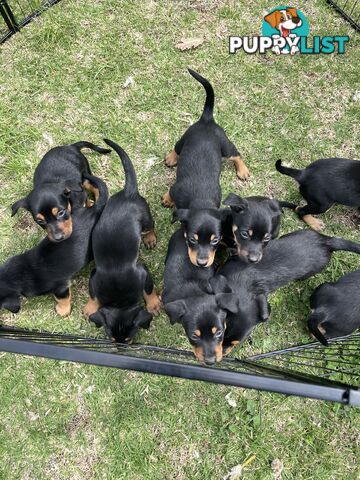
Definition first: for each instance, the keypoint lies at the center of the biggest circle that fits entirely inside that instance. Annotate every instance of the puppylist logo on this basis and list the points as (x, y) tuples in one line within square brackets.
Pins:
[(285, 30)]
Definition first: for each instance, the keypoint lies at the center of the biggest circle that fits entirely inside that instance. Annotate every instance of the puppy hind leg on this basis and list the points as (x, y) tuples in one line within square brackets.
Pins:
[(228, 150), (152, 299), (63, 301), (172, 157), (306, 214), (147, 227)]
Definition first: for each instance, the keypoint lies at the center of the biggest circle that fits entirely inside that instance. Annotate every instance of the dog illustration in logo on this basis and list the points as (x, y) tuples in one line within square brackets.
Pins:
[(284, 21)]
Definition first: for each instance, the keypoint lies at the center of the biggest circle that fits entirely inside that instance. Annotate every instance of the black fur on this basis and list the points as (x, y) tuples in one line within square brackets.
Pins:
[(196, 192), (295, 256), (58, 185), (194, 298), (49, 267), (119, 279), (255, 221), (326, 182), (335, 307)]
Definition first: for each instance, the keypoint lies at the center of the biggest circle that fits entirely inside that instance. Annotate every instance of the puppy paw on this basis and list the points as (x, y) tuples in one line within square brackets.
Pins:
[(243, 172), (314, 223), (171, 159), (149, 239), (167, 200), (153, 304), (63, 309), (91, 307)]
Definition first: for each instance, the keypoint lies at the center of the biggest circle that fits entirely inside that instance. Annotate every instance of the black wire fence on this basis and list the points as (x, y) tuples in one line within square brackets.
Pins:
[(15, 14), (349, 10), (311, 370)]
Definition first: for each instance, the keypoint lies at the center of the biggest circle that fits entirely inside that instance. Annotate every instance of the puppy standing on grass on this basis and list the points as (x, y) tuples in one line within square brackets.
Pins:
[(193, 297), (196, 193), (49, 267), (335, 308), (295, 256), (323, 183), (119, 279), (58, 189)]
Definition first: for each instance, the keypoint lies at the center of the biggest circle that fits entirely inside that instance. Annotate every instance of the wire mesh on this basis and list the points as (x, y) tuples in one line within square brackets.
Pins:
[(349, 10)]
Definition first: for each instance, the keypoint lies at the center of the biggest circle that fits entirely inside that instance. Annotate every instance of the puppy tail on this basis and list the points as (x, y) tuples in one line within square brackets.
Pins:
[(131, 185), (96, 148), (313, 325), (291, 172), (207, 115), (290, 205), (336, 244)]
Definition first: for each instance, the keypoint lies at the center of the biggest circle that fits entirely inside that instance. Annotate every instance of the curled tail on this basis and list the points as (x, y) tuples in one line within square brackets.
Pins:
[(291, 172), (313, 325), (80, 145), (207, 115), (131, 186), (100, 185), (336, 244)]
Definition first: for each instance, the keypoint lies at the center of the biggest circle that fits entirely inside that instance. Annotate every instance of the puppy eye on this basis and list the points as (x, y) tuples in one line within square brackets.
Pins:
[(41, 222), (61, 213), (192, 240), (244, 234), (219, 333), (215, 241)]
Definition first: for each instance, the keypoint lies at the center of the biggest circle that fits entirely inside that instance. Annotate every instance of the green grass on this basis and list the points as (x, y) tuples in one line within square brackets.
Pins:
[(61, 78)]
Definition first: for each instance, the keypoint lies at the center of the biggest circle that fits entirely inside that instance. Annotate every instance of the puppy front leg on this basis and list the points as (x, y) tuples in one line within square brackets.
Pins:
[(93, 304), (264, 307), (63, 301), (152, 299)]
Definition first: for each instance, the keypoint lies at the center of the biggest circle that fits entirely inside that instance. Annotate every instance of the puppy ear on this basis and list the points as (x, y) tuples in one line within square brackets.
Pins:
[(22, 203), (175, 310), (238, 204), (292, 11), (219, 284), (12, 304), (97, 318), (227, 301), (181, 214), (143, 319), (273, 18)]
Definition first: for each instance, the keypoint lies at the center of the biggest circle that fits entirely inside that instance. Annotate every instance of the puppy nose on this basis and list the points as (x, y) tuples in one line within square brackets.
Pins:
[(210, 360), (253, 258), (58, 236), (202, 262), (296, 19)]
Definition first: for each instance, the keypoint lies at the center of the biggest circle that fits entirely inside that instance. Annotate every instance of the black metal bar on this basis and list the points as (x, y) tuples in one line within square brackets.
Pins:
[(341, 394), (346, 16), (8, 16)]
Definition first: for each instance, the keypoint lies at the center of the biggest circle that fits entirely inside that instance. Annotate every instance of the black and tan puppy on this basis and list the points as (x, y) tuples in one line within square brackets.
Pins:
[(58, 189), (324, 183), (119, 280), (197, 300), (295, 256), (49, 267), (255, 221), (335, 308), (196, 193)]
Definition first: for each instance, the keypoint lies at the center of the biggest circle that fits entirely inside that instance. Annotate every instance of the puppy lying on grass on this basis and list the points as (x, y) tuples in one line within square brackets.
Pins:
[(335, 308), (295, 256)]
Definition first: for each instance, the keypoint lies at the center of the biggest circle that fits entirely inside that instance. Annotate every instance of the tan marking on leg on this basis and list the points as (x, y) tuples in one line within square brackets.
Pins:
[(149, 239), (91, 307), (241, 169), (63, 306), (90, 188), (153, 302), (171, 159), (313, 222), (167, 201)]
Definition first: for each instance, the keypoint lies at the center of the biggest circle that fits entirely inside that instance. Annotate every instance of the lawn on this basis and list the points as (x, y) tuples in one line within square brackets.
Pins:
[(61, 80)]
